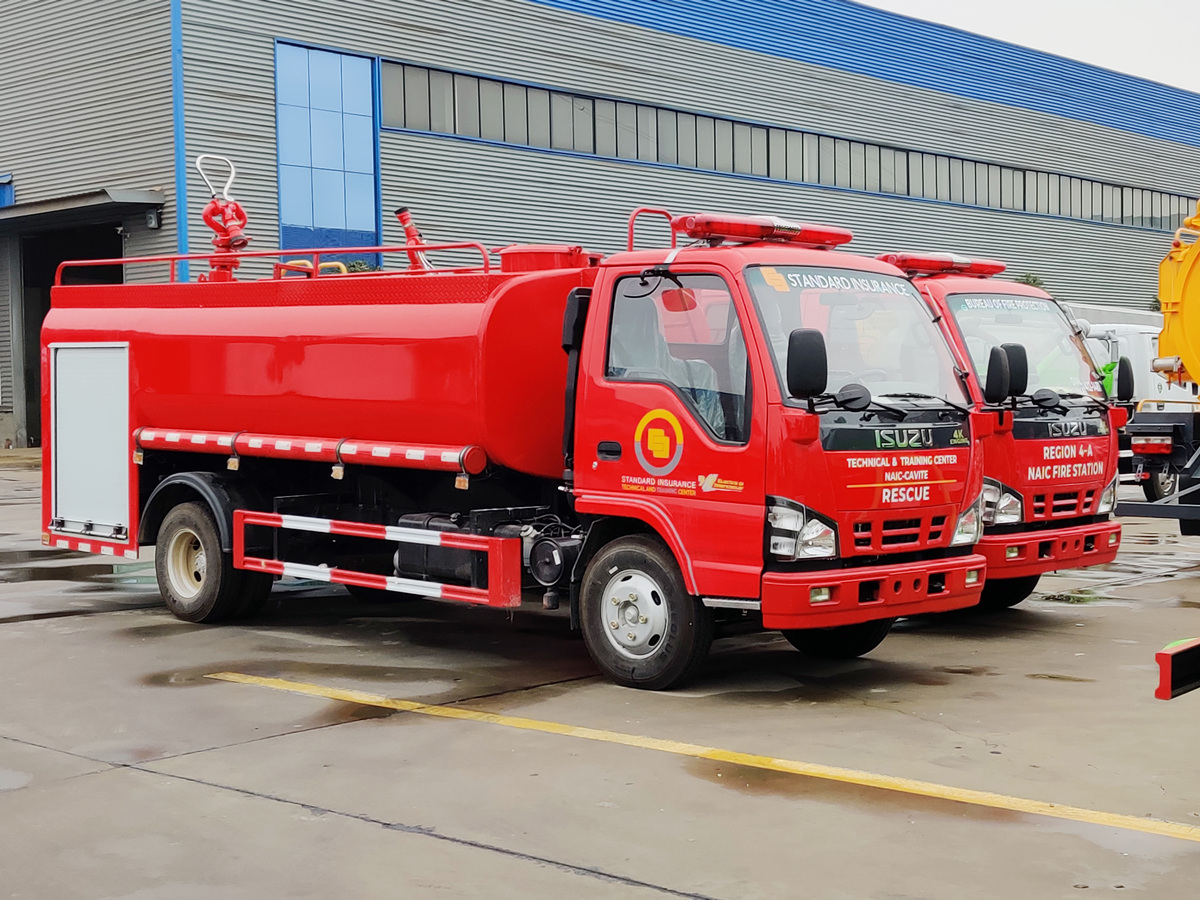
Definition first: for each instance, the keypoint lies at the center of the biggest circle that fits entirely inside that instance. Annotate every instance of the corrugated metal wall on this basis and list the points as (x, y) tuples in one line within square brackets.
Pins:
[(468, 190), (6, 367), (854, 37), (548, 197), (85, 101)]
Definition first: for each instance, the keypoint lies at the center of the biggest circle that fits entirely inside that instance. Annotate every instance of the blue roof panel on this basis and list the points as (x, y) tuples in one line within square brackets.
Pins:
[(848, 36)]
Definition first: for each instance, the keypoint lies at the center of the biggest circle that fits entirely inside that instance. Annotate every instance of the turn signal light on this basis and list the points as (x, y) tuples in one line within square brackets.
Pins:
[(1148, 445), (942, 264), (707, 227)]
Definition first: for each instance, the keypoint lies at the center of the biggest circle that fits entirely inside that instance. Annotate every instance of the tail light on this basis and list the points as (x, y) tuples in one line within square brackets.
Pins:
[(942, 264), (1147, 445)]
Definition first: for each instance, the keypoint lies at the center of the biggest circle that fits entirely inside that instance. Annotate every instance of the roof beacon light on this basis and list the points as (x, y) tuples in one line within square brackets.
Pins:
[(942, 264), (710, 227)]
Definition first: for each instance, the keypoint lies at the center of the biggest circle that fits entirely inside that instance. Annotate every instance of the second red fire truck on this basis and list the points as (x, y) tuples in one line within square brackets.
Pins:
[(1050, 467)]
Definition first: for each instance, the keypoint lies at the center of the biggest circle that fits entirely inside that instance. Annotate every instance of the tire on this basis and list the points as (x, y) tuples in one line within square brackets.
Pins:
[(256, 591), (662, 634), (1001, 593), (197, 580), (840, 642), (1159, 485)]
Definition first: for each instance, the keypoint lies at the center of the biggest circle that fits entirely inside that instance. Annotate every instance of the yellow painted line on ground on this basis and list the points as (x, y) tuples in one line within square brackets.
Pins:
[(774, 764)]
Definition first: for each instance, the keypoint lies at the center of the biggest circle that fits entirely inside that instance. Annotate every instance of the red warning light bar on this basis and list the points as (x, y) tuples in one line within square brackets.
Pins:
[(707, 226), (942, 264)]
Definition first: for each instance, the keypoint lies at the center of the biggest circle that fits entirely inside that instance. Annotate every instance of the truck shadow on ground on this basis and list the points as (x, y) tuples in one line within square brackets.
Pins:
[(530, 654)]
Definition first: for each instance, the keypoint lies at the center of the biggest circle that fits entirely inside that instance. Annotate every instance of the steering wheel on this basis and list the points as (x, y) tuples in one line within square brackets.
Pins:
[(863, 376)]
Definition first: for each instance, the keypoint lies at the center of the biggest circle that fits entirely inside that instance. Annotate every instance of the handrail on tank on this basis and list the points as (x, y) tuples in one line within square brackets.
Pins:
[(314, 254), (648, 211)]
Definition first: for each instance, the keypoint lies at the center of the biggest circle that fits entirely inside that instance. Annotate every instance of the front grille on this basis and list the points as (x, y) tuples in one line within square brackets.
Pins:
[(1062, 504), (894, 534)]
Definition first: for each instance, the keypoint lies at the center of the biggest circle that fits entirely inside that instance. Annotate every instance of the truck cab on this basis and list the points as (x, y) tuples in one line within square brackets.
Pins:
[(1050, 464), (788, 420)]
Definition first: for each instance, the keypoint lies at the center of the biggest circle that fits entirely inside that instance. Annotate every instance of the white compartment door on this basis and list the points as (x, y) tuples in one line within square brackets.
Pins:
[(91, 442)]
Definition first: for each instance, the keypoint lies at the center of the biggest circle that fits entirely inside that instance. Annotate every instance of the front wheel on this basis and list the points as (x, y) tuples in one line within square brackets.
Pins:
[(1001, 593), (841, 641), (197, 580), (640, 624)]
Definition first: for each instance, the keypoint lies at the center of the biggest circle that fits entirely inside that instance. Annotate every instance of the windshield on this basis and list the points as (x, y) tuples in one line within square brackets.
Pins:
[(1057, 356), (878, 331)]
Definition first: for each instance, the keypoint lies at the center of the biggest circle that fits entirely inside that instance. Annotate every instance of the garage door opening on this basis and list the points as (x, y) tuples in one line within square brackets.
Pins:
[(40, 256)]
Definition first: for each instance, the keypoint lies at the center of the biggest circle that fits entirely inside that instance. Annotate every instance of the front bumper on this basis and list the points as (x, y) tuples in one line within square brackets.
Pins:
[(871, 592), (1045, 551)]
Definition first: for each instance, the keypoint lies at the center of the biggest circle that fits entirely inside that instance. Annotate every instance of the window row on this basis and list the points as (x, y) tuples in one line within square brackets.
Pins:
[(325, 124), (424, 99)]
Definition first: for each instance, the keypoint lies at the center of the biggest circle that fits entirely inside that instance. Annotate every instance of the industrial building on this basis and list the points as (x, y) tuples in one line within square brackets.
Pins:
[(549, 120)]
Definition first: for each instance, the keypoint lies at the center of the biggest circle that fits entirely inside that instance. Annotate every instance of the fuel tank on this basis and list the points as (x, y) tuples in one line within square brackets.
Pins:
[(449, 358)]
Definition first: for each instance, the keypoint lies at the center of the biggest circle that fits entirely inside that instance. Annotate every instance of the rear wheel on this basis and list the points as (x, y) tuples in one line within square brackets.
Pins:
[(839, 642), (640, 624), (1001, 593), (197, 580), (1159, 485)]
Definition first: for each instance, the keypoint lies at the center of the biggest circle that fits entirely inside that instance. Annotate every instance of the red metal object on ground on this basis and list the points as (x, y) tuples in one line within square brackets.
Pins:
[(1178, 669)]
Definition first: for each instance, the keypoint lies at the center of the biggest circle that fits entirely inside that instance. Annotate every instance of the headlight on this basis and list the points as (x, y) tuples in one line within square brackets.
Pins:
[(1001, 505), (796, 532), (1108, 499), (970, 525)]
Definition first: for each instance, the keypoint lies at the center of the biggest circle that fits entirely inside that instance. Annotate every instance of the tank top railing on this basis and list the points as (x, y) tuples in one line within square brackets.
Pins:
[(306, 263)]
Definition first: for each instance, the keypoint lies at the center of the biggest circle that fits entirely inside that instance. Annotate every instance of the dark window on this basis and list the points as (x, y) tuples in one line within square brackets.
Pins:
[(311, 90), (684, 333)]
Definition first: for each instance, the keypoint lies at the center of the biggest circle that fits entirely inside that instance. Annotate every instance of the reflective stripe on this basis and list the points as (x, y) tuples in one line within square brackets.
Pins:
[(313, 573), (413, 586), (306, 523), (413, 536)]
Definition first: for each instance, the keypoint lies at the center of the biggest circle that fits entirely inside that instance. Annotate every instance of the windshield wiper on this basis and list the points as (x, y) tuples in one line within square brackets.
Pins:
[(859, 401), (1092, 401), (915, 395)]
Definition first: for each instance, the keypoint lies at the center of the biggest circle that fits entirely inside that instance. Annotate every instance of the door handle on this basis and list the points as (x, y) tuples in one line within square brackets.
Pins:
[(608, 451)]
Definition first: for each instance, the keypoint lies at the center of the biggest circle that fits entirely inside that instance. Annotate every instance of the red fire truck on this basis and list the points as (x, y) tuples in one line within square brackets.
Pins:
[(657, 435), (1050, 466)]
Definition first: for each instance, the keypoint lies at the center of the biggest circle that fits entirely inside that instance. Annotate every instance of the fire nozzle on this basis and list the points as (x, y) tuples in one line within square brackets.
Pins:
[(412, 237), (227, 219)]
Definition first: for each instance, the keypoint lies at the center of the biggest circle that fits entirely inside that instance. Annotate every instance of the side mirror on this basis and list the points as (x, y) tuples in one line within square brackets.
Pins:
[(1045, 398), (1124, 379), (996, 389), (1018, 369), (807, 365), (1084, 326)]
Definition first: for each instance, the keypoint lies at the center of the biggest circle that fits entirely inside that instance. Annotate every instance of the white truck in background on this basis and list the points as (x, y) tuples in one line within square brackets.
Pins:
[(1113, 332)]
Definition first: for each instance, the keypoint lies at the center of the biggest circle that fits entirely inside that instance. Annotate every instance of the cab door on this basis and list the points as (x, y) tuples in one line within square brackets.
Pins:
[(670, 426)]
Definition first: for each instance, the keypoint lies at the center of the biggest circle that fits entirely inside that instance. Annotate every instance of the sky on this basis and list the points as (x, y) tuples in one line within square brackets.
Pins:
[(1152, 39)]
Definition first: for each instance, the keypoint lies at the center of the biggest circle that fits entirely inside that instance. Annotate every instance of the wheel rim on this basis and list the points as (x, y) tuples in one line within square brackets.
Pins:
[(187, 565), (635, 614)]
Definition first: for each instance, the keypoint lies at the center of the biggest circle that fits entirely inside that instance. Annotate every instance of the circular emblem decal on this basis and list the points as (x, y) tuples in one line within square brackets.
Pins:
[(658, 442)]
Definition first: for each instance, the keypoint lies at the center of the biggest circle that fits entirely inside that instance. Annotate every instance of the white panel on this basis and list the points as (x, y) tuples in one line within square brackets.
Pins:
[(91, 436)]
